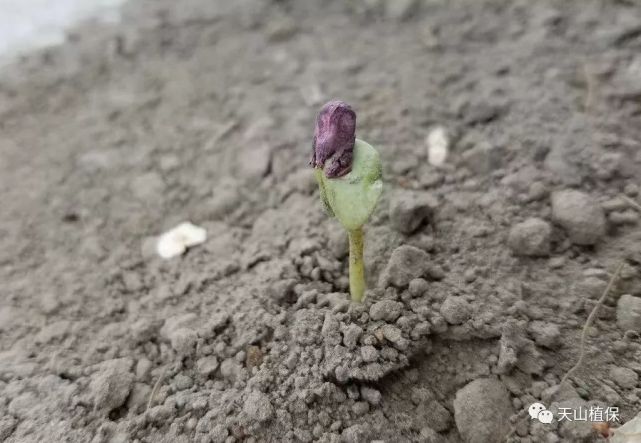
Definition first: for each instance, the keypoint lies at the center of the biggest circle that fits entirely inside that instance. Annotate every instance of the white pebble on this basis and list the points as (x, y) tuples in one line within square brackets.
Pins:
[(176, 241), (438, 144)]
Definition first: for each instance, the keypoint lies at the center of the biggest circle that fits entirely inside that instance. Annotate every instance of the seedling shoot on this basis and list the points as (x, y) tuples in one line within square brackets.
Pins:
[(349, 175)]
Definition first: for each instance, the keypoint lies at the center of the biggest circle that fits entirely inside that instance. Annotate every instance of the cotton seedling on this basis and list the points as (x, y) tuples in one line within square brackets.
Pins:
[(349, 175)]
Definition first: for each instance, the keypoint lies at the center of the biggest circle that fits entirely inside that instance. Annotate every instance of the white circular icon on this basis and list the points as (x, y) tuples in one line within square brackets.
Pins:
[(545, 417), (535, 409)]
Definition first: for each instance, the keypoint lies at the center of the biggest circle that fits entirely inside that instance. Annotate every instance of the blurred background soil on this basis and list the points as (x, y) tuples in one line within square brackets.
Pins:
[(483, 269)]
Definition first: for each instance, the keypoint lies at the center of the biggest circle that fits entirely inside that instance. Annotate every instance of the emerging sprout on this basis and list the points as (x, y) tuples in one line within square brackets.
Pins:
[(349, 174)]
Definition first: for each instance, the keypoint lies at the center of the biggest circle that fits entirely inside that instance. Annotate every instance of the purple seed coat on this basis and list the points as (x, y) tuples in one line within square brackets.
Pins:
[(334, 138)]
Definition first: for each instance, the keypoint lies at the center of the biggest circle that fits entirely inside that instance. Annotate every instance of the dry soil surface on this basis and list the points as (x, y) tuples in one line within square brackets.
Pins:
[(482, 270)]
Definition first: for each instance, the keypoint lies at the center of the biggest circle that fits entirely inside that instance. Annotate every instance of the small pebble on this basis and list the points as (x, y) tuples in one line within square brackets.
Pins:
[(258, 407), (557, 262), (182, 382), (405, 264), (631, 189), (206, 366), (580, 215), (409, 209), (629, 313), (369, 353), (360, 408), (371, 395), (176, 241), (456, 310), (351, 334), (438, 143), (469, 275), (537, 191), (418, 287), (482, 409), (392, 333), (624, 377), (545, 334), (387, 310), (627, 217), (530, 238)]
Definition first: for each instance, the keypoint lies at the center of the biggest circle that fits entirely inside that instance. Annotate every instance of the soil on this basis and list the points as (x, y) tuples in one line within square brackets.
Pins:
[(482, 270)]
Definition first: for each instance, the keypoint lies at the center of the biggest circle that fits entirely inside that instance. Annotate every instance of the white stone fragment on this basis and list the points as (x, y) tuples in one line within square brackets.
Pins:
[(176, 241), (438, 143)]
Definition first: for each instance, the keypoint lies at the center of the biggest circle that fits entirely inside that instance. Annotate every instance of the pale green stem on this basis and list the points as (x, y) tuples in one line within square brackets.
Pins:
[(356, 265)]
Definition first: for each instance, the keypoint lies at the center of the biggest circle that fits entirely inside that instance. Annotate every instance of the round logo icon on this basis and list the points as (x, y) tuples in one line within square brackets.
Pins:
[(535, 409)]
